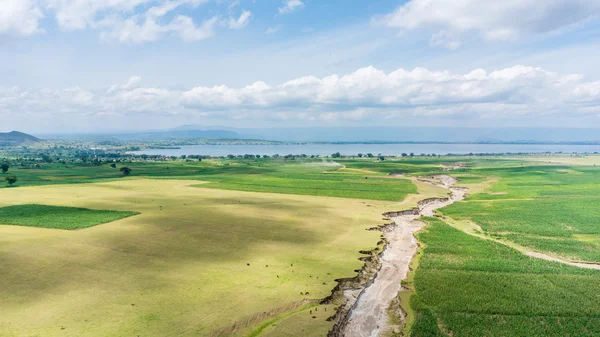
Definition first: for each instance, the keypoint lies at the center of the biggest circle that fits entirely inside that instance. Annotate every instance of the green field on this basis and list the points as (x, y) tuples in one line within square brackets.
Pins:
[(248, 247), (319, 184), (316, 178), (551, 209), (194, 262), (44, 216), (466, 286)]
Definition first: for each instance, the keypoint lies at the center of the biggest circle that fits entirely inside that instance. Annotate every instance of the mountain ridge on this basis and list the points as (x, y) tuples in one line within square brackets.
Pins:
[(17, 138)]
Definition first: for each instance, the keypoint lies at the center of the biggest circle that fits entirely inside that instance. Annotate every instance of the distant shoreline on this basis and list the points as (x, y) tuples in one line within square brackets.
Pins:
[(236, 142), (386, 149), (461, 143)]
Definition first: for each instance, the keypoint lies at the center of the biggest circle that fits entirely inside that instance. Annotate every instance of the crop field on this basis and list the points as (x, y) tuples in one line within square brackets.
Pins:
[(551, 209), (44, 216), (195, 261), (417, 165), (466, 286)]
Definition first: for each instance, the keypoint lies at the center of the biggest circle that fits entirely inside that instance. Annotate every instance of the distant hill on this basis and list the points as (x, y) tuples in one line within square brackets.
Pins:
[(185, 134), (16, 138)]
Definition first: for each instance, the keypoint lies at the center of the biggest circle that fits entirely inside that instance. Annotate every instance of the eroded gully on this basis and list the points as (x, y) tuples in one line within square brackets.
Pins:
[(367, 315)]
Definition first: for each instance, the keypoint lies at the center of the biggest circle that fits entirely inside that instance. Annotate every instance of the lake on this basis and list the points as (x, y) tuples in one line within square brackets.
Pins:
[(353, 149)]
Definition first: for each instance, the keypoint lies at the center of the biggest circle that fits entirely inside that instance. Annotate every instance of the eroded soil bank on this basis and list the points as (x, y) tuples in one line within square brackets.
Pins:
[(365, 311)]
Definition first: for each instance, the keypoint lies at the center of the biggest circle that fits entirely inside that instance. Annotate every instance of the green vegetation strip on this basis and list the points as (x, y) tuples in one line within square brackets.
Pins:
[(58, 217), (330, 185), (308, 177), (466, 286), (551, 209)]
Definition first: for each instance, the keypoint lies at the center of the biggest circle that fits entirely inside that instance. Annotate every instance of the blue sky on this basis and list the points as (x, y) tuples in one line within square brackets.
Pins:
[(83, 65)]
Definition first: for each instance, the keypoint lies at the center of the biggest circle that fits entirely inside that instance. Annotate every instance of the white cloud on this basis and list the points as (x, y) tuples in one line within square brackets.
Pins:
[(121, 99), (20, 17), (150, 26), (71, 15), (233, 4), (419, 91), (272, 30), (290, 6), (445, 39), (241, 22), (133, 82), (365, 94), (492, 20), (132, 21)]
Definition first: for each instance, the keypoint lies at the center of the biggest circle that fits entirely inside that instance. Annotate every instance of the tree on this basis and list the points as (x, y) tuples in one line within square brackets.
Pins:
[(46, 158), (113, 165), (404, 155), (336, 155), (11, 179), (370, 155), (4, 167), (126, 170), (360, 155)]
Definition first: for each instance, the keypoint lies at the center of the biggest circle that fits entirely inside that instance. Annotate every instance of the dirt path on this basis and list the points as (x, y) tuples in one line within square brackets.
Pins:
[(369, 314), (554, 259)]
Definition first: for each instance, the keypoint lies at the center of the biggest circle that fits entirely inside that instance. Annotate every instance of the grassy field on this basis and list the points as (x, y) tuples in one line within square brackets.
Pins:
[(549, 208), (406, 165), (44, 216), (466, 286), (252, 244), (193, 262), (319, 184), (258, 175)]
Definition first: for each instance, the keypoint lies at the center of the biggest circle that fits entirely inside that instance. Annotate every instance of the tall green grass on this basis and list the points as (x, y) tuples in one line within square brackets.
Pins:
[(547, 208), (466, 286), (58, 217)]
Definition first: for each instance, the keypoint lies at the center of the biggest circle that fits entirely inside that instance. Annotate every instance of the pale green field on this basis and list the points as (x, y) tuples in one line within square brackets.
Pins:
[(180, 267)]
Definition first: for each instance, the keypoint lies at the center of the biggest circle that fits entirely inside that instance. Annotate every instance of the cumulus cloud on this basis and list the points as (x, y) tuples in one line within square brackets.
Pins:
[(20, 17), (290, 6), (497, 20), (119, 99), (367, 93)]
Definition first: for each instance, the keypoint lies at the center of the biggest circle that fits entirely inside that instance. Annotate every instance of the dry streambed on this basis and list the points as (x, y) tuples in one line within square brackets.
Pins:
[(365, 312)]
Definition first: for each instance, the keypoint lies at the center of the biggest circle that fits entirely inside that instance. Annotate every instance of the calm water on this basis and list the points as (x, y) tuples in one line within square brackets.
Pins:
[(353, 149)]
